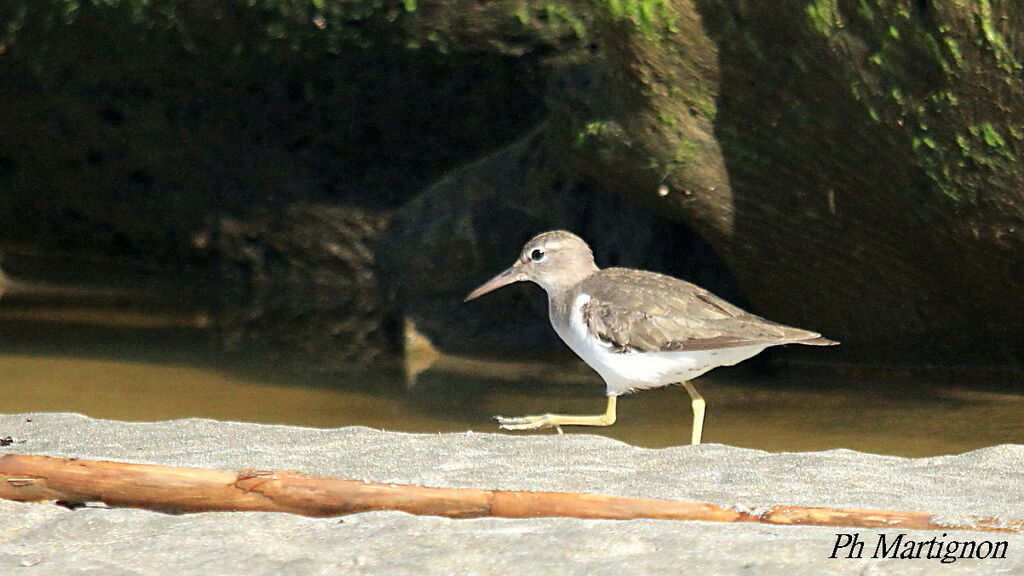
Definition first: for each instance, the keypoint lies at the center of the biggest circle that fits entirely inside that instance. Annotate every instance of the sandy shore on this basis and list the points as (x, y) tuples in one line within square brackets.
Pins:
[(43, 539)]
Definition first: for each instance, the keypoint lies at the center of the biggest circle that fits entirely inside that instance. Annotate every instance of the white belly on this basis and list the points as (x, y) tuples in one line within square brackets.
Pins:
[(624, 372)]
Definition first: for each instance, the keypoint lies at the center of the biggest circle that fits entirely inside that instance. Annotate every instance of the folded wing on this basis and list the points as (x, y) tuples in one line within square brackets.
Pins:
[(633, 310)]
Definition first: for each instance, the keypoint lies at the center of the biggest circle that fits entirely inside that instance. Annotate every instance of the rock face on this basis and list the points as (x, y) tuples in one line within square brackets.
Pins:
[(48, 540), (130, 124), (472, 224), (853, 164), (858, 180), (137, 130)]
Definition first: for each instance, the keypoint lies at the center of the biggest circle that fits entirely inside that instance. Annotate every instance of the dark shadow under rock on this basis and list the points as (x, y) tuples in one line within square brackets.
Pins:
[(300, 285)]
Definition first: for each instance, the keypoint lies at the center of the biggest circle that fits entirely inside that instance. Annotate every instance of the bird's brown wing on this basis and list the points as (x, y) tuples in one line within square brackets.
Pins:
[(635, 310)]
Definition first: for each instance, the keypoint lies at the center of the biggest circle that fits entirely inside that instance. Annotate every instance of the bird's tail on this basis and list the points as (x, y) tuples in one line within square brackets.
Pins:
[(819, 341)]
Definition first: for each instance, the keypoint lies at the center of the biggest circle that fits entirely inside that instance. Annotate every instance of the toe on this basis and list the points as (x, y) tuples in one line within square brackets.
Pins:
[(511, 420), (517, 426), (523, 422)]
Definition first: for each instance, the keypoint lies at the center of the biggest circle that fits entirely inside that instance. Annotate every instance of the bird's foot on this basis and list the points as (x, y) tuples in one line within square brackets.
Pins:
[(525, 422), (553, 421)]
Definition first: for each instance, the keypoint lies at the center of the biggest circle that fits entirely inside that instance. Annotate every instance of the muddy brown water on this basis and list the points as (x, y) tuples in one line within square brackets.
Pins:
[(145, 368)]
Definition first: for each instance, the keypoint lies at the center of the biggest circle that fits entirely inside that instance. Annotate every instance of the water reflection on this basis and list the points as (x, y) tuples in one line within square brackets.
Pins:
[(172, 373)]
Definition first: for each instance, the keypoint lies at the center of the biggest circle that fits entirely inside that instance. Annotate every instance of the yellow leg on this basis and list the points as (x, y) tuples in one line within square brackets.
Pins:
[(697, 403), (555, 420)]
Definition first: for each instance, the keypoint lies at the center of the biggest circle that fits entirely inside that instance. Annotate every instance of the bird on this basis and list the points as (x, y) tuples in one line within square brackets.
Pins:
[(637, 329)]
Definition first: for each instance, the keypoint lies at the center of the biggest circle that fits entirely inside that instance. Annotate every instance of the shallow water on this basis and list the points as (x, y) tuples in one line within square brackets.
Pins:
[(138, 372)]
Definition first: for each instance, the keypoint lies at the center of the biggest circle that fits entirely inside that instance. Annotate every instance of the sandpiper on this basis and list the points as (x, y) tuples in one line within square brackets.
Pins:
[(637, 329)]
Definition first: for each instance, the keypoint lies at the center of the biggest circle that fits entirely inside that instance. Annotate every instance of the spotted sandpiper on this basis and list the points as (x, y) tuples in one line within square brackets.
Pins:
[(637, 329)]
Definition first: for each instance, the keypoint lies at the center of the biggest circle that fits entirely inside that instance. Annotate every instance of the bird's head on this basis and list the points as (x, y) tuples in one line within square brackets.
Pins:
[(555, 260)]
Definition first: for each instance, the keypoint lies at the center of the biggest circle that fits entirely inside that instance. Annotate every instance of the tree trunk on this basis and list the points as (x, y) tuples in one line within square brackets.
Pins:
[(72, 481), (855, 164)]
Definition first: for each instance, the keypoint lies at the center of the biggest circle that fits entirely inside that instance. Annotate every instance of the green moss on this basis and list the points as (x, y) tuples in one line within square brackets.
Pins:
[(598, 135), (823, 16), (941, 176), (1016, 133), (954, 51), (438, 40), (991, 136), (652, 18), (666, 119), (522, 14), (671, 22), (559, 14), (944, 97), (937, 53), (927, 142), (698, 97), (408, 5), (993, 140), (554, 15), (864, 10), (964, 144), (686, 152), (1004, 56), (950, 192)]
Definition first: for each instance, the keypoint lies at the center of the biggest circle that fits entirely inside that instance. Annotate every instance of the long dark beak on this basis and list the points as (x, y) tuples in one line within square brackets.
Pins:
[(504, 279)]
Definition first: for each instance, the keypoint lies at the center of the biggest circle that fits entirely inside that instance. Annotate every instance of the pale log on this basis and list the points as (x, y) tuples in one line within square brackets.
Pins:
[(29, 478)]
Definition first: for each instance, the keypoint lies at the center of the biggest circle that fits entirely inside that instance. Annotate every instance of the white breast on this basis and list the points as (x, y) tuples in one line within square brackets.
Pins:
[(624, 372)]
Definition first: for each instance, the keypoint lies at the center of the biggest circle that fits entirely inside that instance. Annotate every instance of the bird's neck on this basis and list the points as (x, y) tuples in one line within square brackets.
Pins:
[(561, 289), (560, 312), (567, 279)]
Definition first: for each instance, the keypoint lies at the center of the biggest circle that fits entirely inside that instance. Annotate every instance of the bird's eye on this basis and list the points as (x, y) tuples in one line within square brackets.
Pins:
[(537, 255)]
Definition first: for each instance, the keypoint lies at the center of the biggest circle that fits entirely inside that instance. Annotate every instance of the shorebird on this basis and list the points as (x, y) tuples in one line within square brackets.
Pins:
[(637, 329)]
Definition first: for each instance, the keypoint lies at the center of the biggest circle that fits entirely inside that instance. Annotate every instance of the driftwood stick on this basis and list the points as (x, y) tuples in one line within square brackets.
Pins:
[(174, 489)]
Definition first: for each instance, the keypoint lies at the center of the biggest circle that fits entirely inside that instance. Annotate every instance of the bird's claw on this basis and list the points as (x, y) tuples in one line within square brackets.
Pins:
[(525, 422)]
